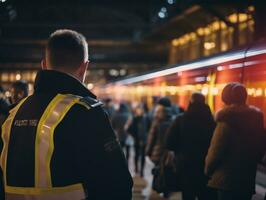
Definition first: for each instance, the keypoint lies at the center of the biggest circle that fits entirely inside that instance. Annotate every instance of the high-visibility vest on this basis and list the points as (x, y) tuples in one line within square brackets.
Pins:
[(44, 147)]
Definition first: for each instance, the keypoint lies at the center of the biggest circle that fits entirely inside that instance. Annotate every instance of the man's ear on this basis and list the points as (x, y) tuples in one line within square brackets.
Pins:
[(44, 65), (81, 72)]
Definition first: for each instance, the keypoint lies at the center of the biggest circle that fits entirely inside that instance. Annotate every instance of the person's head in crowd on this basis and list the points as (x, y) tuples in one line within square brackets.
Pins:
[(108, 102), (67, 51), (163, 109), (145, 107), (155, 100), (234, 93), (197, 98), (123, 108), (164, 101), (139, 111), (19, 90)]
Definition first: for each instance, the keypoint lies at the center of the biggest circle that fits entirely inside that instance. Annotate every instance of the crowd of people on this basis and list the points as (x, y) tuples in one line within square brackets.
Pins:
[(71, 144), (209, 157)]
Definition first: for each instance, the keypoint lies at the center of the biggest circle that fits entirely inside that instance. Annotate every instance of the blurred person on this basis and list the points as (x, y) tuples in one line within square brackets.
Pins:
[(4, 105), (61, 144), (109, 107), (160, 124), (4, 108), (236, 146), (188, 140), (156, 137), (139, 128), (120, 121), (175, 110), (19, 90), (151, 113)]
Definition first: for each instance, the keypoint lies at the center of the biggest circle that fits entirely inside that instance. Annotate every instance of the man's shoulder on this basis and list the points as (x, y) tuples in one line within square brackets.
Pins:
[(87, 107), (90, 102)]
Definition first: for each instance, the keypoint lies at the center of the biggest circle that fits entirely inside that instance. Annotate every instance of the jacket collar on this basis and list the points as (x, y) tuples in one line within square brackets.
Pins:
[(51, 81)]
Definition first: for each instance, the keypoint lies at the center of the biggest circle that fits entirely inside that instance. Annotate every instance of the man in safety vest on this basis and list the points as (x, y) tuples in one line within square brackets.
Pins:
[(57, 144)]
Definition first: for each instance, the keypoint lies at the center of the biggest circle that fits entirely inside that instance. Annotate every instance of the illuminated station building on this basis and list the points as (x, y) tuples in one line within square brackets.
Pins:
[(169, 47)]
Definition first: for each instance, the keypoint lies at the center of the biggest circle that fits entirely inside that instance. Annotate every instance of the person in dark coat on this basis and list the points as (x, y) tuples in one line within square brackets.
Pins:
[(109, 107), (189, 137), (4, 106), (139, 129), (156, 137), (120, 121), (236, 147)]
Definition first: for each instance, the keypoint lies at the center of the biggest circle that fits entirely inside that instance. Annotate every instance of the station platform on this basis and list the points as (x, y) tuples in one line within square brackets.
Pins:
[(142, 186)]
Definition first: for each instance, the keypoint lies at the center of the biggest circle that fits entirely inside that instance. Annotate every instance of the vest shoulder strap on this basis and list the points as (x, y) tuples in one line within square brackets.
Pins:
[(90, 102)]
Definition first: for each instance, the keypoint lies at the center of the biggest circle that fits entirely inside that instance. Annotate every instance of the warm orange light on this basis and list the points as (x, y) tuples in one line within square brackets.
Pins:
[(193, 36), (215, 91), (175, 42), (223, 25), (233, 18), (251, 8), (258, 92), (205, 91), (209, 45), (251, 91), (216, 25), (200, 31), (243, 17), (207, 30)]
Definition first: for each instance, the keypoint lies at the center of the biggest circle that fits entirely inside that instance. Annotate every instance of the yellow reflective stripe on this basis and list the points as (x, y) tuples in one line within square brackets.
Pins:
[(41, 191), (53, 115), (51, 105), (6, 130), (72, 195), (69, 102)]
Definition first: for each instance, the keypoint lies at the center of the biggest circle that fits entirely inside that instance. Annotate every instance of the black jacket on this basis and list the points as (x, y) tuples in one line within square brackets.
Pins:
[(189, 137), (86, 149)]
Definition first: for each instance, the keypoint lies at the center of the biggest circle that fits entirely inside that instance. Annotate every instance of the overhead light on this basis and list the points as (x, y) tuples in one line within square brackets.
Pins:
[(3, 1), (163, 9), (114, 72), (18, 77), (170, 1), (161, 15), (122, 72)]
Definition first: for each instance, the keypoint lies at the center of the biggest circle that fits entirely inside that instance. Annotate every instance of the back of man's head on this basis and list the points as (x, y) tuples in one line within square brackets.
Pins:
[(66, 49)]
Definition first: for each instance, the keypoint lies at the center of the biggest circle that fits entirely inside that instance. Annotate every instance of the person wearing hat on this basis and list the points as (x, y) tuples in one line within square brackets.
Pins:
[(236, 146)]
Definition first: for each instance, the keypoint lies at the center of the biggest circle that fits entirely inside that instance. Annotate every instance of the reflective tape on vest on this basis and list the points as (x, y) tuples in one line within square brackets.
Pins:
[(44, 144), (73, 192), (44, 147), (6, 129)]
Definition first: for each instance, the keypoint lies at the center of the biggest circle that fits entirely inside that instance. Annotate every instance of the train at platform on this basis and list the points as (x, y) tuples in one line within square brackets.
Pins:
[(207, 75)]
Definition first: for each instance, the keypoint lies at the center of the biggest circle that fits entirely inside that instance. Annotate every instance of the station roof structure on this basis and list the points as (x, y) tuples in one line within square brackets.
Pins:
[(122, 34)]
